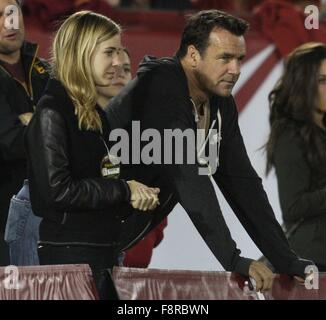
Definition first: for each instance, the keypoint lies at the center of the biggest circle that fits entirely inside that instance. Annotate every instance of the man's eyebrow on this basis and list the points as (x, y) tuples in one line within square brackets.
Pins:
[(231, 56)]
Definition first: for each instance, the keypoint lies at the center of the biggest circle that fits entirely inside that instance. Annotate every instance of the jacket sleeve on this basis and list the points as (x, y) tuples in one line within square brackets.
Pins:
[(297, 199), (11, 132), (49, 161), (243, 190), (163, 109), (197, 196)]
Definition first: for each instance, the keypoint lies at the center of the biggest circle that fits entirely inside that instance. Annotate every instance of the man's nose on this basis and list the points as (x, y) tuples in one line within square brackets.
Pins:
[(234, 67)]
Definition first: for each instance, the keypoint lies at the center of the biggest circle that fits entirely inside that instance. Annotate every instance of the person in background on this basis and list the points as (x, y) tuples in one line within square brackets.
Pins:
[(23, 77), (139, 255), (75, 186), (296, 148)]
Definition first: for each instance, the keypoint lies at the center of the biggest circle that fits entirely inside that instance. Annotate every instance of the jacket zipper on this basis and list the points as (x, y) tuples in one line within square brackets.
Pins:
[(30, 75), (29, 89), (219, 121)]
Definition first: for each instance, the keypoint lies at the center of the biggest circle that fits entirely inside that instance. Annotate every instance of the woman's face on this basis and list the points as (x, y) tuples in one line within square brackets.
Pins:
[(320, 112), (120, 79), (105, 61)]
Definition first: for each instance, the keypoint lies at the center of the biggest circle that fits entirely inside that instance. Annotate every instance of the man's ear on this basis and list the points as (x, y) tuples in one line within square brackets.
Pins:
[(193, 56)]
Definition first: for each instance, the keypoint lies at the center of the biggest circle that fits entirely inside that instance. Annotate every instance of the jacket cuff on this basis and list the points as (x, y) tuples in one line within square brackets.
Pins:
[(127, 191), (298, 267), (243, 265)]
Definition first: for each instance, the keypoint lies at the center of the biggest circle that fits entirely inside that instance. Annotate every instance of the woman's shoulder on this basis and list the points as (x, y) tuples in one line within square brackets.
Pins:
[(290, 132), (289, 140), (55, 97)]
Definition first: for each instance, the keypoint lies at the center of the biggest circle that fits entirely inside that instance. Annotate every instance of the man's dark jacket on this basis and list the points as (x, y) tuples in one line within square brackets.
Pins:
[(15, 100), (159, 97)]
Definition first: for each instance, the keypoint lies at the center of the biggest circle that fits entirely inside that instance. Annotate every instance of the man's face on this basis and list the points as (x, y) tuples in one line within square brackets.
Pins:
[(11, 40), (218, 68)]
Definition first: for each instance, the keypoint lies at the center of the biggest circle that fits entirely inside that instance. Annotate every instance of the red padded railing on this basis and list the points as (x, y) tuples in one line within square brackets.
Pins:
[(151, 284), (59, 282)]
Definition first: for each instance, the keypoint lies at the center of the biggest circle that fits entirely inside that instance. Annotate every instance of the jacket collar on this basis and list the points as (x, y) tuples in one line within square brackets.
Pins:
[(55, 88), (29, 49), (28, 54), (183, 76), (214, 101)]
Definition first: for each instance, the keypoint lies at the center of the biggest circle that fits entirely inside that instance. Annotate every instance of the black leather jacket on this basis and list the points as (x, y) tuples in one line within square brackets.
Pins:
[(78, 205)]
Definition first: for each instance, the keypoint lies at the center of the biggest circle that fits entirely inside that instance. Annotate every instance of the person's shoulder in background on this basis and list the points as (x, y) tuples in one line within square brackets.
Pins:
[(140, 255)]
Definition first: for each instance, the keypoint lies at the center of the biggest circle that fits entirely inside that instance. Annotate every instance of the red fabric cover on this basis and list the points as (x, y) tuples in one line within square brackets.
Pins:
[(156, 284), (56, 282), (283, 24), (139, 256), (151, 284)]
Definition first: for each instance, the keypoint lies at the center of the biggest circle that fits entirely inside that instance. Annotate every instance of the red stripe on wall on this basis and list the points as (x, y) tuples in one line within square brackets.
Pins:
[(251, 86)]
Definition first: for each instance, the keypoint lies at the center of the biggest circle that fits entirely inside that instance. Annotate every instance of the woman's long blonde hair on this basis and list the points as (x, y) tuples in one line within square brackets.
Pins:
[(72, 49)]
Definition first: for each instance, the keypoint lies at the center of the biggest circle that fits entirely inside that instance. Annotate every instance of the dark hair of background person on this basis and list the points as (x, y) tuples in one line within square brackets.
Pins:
[(200, 25), (294, 99)]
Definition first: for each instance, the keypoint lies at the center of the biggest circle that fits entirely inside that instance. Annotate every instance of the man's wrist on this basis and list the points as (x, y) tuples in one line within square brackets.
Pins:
[(243, 266), (298, 267)]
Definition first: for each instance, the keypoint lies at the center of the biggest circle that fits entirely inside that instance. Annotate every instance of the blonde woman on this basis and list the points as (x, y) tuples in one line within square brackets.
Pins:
[(83, 206)]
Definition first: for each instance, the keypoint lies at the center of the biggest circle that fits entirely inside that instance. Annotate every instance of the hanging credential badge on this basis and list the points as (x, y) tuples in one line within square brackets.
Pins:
[(110, 165)]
